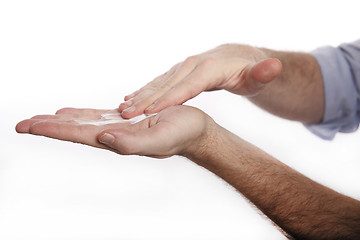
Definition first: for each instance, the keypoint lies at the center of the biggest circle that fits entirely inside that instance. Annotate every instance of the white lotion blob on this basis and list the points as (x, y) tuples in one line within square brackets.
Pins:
[(110, 118)]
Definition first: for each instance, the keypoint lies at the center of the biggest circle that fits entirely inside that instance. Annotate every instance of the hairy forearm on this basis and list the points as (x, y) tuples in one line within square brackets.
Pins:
[(297, 93), (301, 207)]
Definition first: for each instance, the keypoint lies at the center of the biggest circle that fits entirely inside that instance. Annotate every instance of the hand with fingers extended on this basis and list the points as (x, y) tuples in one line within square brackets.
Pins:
[(240, 69), (177, 130)]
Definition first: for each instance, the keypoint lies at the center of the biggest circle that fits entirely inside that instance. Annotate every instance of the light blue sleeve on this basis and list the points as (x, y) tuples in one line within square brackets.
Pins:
[(340, 68)]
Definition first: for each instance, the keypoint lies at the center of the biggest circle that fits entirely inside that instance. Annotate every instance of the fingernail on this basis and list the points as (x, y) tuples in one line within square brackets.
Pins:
[(107, 139), (128, 103), (150, 107), (130, 109), (125, 104)]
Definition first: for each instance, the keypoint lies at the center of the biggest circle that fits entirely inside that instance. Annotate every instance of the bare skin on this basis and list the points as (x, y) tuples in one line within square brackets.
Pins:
[(286, 84), (236, 68), (301, 207), (149, 137)]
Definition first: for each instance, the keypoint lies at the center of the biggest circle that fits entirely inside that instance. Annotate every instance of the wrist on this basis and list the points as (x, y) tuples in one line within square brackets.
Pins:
[(217, 149), (201, 148)]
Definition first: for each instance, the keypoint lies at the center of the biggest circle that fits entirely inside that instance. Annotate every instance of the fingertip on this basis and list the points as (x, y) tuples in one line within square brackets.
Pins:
[(21, 127), (118, 139), (126, 104), (64, 110), (276, 65), (266, 70), (109, 132), (164, 102), (130, 113), (155, 109), (122, 107), (151, 109), (127, 97), (109, 136), (106, 138), (131, 109), (25, 125)]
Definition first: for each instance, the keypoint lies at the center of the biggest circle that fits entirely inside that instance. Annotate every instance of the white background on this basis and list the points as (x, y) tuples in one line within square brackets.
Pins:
[(56, 54)]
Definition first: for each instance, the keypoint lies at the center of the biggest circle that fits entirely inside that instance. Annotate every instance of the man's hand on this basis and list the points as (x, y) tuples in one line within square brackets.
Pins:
[(292, 201), (176, 130), (237, 68)]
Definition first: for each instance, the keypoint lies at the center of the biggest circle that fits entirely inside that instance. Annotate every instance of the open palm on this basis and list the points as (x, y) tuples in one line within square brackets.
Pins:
[(175, 130)]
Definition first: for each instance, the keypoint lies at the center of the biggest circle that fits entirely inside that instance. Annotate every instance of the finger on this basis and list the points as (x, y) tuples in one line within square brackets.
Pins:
[(128, 103), (151, 141), (44, 117), (67, 131), (131, 95), (142, 101), (144, 95), (259, 74), (190, 87), (157, 79), (76, 115), (62, 117), (24, 126), (84, 114), (131, 99), (159, 87), (83, 111)]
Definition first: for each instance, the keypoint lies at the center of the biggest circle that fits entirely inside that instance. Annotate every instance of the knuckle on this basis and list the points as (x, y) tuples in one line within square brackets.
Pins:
[(175, 68), (63, 110), (193, 91), (191, 60), (154, 85), (225, 45), (208, 62), (154, 89), (149, 91), (159, 78)]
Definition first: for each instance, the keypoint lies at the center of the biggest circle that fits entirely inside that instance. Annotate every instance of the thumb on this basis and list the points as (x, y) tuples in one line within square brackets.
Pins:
[(121, 140), (259, 74), (148, 141)]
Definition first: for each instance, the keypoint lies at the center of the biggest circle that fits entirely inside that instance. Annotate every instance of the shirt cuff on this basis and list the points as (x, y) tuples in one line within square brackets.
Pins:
[(340, 94)]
